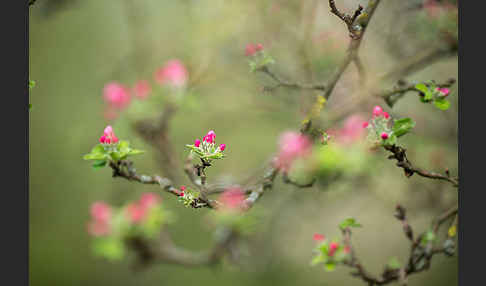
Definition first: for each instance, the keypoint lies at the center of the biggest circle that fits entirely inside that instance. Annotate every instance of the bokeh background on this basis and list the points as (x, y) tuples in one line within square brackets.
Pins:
[(77, 46)]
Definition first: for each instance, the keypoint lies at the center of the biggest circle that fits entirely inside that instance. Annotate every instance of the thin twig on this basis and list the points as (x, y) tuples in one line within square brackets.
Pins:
[(400, 155)]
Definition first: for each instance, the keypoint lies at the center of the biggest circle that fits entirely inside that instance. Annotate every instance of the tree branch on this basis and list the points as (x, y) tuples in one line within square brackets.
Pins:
[(403, 162), (282, 83)]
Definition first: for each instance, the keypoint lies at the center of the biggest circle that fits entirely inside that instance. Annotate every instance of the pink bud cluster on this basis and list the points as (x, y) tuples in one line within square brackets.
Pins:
[(108, 136), (252, 49), (181, 193), (378, 111), (208, 141), (378, 116), (137, 211), (118, 97), (292, 145), (333, 246), (101, 214)]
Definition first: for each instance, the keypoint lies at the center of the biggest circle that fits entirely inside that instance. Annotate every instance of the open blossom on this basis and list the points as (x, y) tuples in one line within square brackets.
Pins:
[(318, 237), (173, 73), (116, 95), (351, 131), (250, 50), (137, 211), (232, 199), (100, 219), (292, 146), (142, 89), (108, 136)]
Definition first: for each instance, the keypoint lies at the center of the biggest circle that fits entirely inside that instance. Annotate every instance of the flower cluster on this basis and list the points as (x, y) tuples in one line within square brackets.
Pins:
[(118, 96), (137, 211), (379, 126), (252, 49), (258, 57), (190, 198), (383, 130), (329, 252), (110, 149), (207, 149), (111, 227), (108, 136), (292, 145)]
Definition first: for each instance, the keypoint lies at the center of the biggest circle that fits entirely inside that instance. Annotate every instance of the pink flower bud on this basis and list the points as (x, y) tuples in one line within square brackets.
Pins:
[(377, 110), (108, 131), (386, 115), (108, 136), (210, 137), (147, 200), (365, 124), (443, 91), (182, 188), (319, 237), (250, 50), (116, 95), (103, 139), (173, 73), (222, 147), (100, 211), (135, 212), (142, 89), (197, 143), (384, 135), (259, 47), (333, 246)]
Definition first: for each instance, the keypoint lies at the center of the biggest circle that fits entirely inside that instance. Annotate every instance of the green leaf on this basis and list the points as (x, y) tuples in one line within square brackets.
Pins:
[(98, 149), (442, 104), (317, 259), (30, 106), (422, 87), (392, 140), (135, 152), (109, 247), (123, 145), (394, 263), (31, 84), (329, 266), (349, 222), (94, 156), (429, 236), (402, 126), (99, 164)]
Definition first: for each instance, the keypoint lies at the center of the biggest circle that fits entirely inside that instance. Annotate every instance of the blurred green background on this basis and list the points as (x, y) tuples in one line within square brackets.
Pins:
[(78, 46)]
